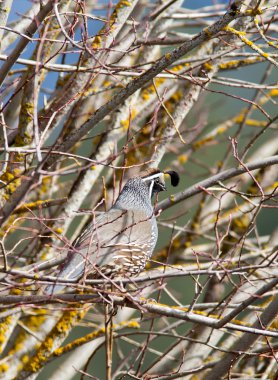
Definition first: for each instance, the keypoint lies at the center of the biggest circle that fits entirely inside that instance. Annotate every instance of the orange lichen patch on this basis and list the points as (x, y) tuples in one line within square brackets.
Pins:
[(208, 66), (234, 31), (264, 54), (200, 143), (182, 158), (55, 337), (147, 92), (197, 312), (241, 223), (273, 92), (25, 136), (123, 3), (254, 12), (45, 253), (125, 124), (250, 122), (95, 334), (17, 161), (220, 130), (229, 65), (88, 91), (120, 5), (234, 64), (177, 68), (172, 198), (25, 359), (274, 324), (239, 118), (33, 323), (58, 230), (178, 95), (195, 225), (46, 183), (159, 81), (210, 137), (115, 15), (12, 179), (4, 367), (146, 130), (34, 205), (176, 243), (133, 113), (247, 42), (4, 330), (16, 291), (96, 43)]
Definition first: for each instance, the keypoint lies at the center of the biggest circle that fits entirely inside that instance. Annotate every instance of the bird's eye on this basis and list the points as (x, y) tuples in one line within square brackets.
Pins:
[(157, 182)]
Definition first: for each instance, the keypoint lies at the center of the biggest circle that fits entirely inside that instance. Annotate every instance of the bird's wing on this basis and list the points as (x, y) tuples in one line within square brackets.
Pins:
[(108, 240)]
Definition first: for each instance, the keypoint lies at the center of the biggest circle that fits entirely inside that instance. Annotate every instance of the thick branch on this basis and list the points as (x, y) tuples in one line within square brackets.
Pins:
[(23, 42), (139, 82), (245, 342), (222, 176), (137, 303)]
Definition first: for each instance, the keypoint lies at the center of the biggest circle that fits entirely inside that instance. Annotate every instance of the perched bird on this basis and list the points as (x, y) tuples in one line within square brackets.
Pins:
[(118, 242)]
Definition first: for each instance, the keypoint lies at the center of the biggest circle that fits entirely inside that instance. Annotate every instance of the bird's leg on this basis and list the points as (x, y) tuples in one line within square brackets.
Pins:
[(122, 287), (106, 299)]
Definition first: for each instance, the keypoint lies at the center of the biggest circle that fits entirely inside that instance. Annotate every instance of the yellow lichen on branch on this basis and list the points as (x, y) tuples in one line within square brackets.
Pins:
[(252, 45), (133, 323), (54, 339)]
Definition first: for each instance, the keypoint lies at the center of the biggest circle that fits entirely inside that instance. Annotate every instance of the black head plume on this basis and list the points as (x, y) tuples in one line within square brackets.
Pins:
[(175, 178)]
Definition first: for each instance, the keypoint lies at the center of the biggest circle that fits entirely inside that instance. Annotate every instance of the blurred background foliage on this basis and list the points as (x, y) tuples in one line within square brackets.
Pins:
[(214, 108)]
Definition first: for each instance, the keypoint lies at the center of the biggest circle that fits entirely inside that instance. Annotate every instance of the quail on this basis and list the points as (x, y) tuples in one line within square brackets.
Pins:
[(119, 242)]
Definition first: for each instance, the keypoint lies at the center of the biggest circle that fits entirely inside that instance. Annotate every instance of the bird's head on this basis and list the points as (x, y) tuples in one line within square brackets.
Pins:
[(154, 179), (138, 190)]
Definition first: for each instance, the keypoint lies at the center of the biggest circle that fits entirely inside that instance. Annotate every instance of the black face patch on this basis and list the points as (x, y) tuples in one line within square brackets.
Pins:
[(158, 186)]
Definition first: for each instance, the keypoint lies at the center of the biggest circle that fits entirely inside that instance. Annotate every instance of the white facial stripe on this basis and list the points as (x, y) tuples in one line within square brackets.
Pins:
[(151, 189), (156, 175)]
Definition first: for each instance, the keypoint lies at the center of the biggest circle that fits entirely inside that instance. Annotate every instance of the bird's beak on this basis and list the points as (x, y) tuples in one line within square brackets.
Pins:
[(162, 185)]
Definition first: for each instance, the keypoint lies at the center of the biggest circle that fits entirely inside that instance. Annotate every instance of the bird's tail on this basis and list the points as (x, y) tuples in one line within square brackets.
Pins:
[(71, 270)]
